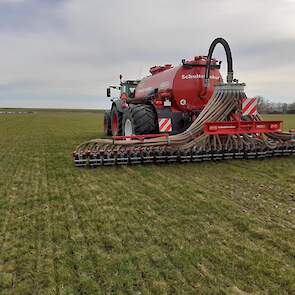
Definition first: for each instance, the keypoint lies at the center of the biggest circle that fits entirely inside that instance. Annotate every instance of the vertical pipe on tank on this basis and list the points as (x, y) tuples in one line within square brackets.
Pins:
[(230, 72)]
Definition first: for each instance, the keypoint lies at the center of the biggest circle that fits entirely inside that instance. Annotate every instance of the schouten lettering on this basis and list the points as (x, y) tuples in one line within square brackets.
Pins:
[(198, 76)]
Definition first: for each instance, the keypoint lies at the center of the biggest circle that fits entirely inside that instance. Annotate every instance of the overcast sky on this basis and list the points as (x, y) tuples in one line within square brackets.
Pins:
[(64, 53)]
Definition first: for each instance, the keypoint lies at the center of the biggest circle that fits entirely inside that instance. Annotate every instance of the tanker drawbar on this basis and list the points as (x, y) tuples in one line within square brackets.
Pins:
[(224, 126)]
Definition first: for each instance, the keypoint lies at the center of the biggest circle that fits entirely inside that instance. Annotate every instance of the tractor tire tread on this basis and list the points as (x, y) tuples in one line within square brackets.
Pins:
[(145, 119)]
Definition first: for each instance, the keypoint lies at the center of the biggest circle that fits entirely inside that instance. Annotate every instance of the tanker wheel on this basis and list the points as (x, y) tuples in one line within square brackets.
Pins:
[(116, 121), (107, 123), (140, 119)]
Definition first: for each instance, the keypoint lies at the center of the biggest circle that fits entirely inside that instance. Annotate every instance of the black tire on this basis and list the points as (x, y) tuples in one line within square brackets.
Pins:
[(143, 119), (107, 123), (116, 127)]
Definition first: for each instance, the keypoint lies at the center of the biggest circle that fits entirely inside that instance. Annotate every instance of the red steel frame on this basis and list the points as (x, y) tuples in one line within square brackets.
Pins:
[(240, 127), (228, 127)]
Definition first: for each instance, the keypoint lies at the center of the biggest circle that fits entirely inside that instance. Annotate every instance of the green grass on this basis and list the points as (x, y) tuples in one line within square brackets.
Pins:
[(210, 228)]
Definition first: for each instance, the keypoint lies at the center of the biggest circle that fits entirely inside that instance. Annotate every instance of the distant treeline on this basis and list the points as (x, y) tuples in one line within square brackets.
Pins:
[(269, 107), (15, 113)]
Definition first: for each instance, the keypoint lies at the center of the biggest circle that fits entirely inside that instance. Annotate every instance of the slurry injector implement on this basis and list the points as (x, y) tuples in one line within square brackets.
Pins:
[(185, 113)]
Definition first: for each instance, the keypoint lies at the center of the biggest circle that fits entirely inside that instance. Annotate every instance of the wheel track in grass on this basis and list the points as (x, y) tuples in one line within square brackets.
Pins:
[(10, 165), (82, 227), (79, 215), (173, 234), (128, 215), (42, 238), (53, 180), (28, 216), (155, 186), (158, 221), (51, 229), (10, 192), (10, 203), (137, 218), (68, 201), (13, 176), (32, 196), (28, 195), (92, 254), (18, 232), (6, 235), (120, 215), (38, 188), (47, 265)]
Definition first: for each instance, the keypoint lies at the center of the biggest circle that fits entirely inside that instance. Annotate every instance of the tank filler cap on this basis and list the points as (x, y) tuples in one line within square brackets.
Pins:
[(200, 57), (157, 69)]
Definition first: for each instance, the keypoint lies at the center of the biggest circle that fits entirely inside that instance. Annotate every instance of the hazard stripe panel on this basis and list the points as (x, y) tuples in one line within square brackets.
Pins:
[(249, 106), (165, 125)]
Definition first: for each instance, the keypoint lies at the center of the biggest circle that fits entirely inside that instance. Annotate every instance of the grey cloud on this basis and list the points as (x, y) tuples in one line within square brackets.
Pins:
[(21, 16), (76, 48)]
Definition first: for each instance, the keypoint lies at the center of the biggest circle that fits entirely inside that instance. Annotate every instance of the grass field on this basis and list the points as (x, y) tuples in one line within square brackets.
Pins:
[(210, 228)]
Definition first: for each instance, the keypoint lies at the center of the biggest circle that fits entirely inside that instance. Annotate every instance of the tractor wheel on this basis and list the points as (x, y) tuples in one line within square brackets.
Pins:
[(107, 123), (140, 119), (116, 121)]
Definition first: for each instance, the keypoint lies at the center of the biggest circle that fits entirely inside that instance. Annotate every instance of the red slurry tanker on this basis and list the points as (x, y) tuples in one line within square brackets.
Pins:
[(185, 113), (167, 101)]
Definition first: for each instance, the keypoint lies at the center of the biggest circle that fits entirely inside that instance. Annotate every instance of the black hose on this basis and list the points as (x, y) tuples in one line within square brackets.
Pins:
[(230, 72)]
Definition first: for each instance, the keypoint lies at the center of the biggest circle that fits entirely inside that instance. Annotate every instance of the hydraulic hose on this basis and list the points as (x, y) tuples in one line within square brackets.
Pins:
[(230, 72)]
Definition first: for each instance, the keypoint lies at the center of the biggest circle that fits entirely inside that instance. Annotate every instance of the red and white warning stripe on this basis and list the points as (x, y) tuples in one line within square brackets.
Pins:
[(249, 106), (165, 125)]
